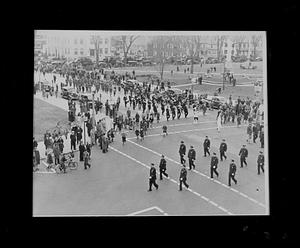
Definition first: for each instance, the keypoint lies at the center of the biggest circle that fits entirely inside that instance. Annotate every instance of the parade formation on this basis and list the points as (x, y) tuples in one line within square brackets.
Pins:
[(119, 120)]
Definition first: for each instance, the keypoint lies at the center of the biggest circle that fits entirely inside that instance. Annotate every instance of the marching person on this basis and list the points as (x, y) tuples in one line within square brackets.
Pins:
[(260, 162), (223, 149), (163, 167), (214, 165), (182, 150), (192, 157), (182, 178), (232, 171), (206, 146), (152, 178), (243, 155)]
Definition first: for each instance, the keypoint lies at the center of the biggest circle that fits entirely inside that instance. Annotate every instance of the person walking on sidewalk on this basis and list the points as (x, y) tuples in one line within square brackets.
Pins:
[(260, 163), (152, 178), (86, 160), (81, 151)]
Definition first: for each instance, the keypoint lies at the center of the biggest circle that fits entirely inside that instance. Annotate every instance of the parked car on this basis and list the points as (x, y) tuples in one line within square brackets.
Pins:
[(256, 59), (69, 93), (215, 101), (242, 58)]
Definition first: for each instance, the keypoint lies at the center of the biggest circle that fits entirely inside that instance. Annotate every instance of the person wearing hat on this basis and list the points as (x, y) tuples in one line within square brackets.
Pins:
[(214, 165), (223, 149), (192, 157), (243, 155), (182, 178), (152, 178), (260, 162), (206, 146), (232, 171), (162, 168), (182, 150)]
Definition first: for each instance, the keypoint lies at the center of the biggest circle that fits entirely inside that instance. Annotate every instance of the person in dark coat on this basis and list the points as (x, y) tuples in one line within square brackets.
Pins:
[(88, 149), (232, 171), (79, 136), (163, 168), (61, 144), (167, 114), (73, 141), (81, 151), (192, 157), (206, 145), (183, 178), (35, 144), (243, 155), (56, 153), (223, 149), (86, 160), (261, 138), (214, 165), (152, 178), (260, 162), (255, 132), (182, 150)]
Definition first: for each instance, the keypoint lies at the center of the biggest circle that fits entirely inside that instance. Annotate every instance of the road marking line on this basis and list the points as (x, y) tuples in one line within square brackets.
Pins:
[(44, 172), (198, 172), (142, 211), (160, 210), (183, 124), (141, 163), (186, 131)]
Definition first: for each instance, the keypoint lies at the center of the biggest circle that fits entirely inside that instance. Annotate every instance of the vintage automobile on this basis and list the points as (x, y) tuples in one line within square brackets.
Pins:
[(215, 101), (69, 93)]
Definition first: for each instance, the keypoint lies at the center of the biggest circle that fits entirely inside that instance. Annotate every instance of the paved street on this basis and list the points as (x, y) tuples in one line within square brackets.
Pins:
[(117, 183)]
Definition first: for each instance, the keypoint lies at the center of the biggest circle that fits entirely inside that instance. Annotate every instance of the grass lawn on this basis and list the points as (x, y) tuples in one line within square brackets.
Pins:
[(45, 117)]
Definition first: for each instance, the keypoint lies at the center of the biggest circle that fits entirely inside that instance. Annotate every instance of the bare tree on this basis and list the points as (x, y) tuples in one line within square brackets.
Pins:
[(96, 41), (255, 40), (161, 45), (127, 42), (193, 45), (238, 40), (220, 42)]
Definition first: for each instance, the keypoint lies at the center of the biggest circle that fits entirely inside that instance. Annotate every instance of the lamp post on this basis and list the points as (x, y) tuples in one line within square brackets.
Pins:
[(93, 94), (224, 77)]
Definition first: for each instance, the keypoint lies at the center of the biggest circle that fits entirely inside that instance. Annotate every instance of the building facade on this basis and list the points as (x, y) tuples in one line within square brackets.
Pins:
[(74, 44)]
